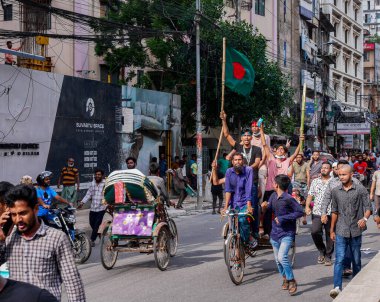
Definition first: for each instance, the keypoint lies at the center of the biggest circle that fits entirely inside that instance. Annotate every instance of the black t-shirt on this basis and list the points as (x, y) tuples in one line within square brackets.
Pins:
[(20, 291), (250, 155)]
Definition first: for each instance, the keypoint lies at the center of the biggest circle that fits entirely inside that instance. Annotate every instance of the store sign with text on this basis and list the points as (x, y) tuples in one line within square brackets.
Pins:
[(353, 128)]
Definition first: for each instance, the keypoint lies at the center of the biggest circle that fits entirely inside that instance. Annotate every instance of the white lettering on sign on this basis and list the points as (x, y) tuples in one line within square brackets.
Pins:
[(90, 126)]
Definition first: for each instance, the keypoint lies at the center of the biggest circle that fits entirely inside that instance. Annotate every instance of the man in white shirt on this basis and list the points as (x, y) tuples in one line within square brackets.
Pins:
[(97, 211)]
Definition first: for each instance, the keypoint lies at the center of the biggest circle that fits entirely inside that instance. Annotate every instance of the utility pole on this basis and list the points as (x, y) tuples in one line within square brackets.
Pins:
[(238, 10), (199, 118)]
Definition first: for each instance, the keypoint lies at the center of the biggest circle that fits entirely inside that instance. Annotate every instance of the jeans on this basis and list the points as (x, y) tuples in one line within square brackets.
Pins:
[(317, 235), (255, 206), (341, 245), (244, 227), (281, 251), (96, 219)]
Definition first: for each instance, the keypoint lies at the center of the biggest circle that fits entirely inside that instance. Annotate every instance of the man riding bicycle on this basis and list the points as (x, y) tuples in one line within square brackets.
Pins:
[(238, 188)]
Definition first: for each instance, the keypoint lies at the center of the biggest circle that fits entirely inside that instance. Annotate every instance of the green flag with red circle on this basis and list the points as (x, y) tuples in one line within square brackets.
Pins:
[(240, 74)]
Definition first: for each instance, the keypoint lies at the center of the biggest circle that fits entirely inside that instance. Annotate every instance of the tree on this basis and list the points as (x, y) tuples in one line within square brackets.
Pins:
[(170, 54)]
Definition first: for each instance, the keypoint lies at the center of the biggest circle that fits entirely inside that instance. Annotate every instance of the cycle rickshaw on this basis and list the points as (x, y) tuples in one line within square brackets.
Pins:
[(140, 221)]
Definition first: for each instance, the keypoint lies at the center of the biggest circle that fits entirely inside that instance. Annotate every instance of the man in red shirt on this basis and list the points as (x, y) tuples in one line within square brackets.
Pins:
[(360, 167)]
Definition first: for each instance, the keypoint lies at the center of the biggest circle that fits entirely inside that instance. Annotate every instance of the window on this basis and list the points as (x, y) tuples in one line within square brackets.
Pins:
[(346, 7), (366, 56), (356, 97), (377, 15), (356, 42), (284, 53), (366, 18), (335, 28), (367, 77), (356, 14), (346, 94), (368, 5), (377, 2), (260, 7), (335, 2), (356, 69), (346, 36), (345, 65), (8, 12), (284, 10), (336, 90)]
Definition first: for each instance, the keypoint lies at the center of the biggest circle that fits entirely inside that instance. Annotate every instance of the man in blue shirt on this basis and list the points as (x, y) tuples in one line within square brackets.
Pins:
[(46, 195), (286, 212), (238, 188)]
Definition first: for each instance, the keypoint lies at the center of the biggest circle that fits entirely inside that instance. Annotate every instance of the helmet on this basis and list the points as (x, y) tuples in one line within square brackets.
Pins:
[(42, 176)]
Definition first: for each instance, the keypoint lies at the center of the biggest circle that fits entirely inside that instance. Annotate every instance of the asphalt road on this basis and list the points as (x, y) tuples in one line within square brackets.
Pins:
[(198, 272)]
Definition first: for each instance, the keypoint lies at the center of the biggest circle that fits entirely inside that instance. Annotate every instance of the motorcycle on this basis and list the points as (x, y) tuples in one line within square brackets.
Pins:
[(64, 219)]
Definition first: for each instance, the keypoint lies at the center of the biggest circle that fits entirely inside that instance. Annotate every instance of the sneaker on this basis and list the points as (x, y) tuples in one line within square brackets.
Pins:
[(328, 262), (92, 243), (334, 292)]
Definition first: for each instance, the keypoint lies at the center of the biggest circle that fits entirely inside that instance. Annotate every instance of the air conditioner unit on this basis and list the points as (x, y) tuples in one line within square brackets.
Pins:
[(373, 26)]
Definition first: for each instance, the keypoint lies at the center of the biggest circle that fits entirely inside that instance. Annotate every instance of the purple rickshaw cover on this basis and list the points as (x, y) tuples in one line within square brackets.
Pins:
[(137, 222)]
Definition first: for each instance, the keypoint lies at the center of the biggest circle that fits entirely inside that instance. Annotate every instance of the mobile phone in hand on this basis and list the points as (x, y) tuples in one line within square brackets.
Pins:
[(7, 226)]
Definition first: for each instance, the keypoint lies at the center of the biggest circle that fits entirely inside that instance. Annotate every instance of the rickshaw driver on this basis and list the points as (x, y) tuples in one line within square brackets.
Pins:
[(238, 188)]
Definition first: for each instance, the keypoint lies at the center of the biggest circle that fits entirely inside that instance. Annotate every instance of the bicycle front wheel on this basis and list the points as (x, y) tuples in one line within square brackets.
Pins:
[(235, 259)]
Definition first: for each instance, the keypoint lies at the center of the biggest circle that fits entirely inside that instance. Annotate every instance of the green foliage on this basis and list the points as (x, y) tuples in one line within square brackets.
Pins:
[(173, 56)]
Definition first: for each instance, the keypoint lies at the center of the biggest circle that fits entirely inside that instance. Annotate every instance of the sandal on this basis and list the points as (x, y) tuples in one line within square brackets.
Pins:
[(292, 287), (285, 284), (321, 260)]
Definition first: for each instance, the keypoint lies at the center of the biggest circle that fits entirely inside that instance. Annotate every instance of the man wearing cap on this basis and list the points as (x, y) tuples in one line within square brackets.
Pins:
[(252, 156)]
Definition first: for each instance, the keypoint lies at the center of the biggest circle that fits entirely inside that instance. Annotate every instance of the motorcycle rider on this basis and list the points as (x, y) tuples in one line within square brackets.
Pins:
[(46, 195)]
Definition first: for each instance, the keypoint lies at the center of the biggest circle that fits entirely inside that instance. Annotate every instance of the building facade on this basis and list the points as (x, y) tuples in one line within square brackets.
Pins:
[(346, 76), (64, 56)]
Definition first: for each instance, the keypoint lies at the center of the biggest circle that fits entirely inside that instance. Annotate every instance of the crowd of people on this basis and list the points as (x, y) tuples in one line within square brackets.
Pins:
[(276, 188), (280, 189)]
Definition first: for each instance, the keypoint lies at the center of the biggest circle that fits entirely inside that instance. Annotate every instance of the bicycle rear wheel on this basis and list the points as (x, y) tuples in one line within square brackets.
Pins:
[(235, 259)]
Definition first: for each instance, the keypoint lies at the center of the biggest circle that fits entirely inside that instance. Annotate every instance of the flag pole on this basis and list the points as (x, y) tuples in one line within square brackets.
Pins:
[(303, 113), (223, 86)]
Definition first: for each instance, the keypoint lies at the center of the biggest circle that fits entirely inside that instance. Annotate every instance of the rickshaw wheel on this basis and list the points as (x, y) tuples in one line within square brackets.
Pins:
[(107, 255), (161, 248), (173, 237)]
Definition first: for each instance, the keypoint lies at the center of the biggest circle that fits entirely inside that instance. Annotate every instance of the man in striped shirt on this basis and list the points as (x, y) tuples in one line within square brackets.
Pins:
[(97, 211), (68, 178), (36, 253)]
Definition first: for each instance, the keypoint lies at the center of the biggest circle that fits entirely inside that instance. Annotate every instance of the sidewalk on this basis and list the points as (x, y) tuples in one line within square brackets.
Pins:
[(189, 207), (365, 285)]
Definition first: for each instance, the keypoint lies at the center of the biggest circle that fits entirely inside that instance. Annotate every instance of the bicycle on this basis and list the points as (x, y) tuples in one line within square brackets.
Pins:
[(235, 250)]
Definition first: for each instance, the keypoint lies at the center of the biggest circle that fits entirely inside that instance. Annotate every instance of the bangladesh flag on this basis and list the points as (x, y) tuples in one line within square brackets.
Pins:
[(239, 72)]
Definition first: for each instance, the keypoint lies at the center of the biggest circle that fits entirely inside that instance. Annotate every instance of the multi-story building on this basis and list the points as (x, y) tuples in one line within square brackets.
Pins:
[(64, 56), (371, 16), (371, 100), (261, 14), (346, 76)]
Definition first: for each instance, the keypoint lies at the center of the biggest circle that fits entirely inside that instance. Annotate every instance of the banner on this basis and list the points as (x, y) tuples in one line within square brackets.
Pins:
[(353, 128), (348, 141)]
